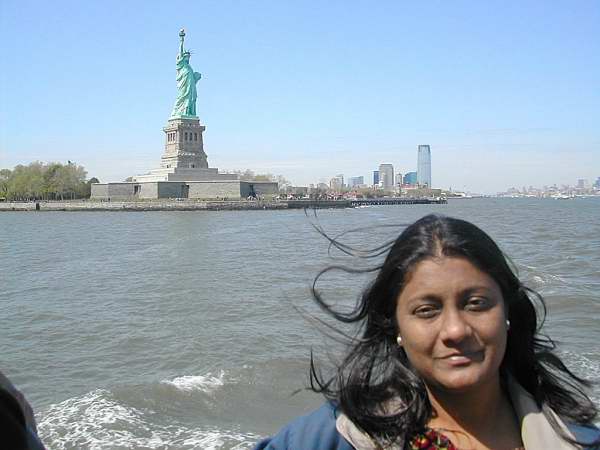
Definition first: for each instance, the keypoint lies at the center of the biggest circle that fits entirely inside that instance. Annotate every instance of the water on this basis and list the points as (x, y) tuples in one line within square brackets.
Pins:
[(180, 329)]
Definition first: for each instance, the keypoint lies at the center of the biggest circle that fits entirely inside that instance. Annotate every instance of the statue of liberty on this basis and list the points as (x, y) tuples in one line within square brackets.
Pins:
[(185, 104)]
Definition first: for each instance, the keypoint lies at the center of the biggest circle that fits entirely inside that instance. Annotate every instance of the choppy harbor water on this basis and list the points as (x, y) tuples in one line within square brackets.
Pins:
[(181, 330)]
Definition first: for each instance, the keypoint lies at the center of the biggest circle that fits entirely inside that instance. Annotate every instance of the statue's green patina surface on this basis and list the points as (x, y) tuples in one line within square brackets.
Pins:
[(185, 104)]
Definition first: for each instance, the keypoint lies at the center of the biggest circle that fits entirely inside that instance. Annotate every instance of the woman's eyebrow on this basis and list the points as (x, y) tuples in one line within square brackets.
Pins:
[(423, 297), (430, 296), (476, 290)]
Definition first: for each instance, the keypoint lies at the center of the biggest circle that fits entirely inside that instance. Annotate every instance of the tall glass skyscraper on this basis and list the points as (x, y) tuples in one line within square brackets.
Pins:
[(424, 166)]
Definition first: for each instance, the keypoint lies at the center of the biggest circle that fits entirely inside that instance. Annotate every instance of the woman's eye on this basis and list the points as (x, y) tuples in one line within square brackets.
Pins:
[(477, 304), (425, 311)]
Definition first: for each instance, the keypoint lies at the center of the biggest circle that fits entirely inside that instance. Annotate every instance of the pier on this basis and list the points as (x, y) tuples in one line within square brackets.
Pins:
[(352, 203)]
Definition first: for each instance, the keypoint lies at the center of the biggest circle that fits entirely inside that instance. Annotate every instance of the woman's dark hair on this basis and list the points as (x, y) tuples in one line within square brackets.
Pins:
[(376, 371)]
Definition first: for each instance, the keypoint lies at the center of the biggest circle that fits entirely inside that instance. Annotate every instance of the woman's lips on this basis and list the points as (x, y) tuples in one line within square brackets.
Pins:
[(462, 359)]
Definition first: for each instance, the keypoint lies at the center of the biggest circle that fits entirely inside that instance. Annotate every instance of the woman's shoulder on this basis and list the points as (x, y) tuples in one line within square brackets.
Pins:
[(313, 431), (584, 434)]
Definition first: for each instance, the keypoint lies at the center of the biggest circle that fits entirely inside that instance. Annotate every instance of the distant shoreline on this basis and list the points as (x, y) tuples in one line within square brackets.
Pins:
[(195, 205)]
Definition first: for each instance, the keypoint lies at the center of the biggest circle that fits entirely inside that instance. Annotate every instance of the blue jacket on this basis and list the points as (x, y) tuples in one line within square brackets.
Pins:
[(317, 431), (314, 431)]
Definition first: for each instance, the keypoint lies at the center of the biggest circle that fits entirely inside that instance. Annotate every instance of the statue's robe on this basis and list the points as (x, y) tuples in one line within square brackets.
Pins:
[(185, 105)]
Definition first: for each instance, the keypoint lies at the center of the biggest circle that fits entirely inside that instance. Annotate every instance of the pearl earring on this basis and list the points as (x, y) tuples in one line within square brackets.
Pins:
[(399, 340), (507, 324)]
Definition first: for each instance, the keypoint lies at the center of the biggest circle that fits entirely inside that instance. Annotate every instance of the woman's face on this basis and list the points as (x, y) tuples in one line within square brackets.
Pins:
[(452, 322)]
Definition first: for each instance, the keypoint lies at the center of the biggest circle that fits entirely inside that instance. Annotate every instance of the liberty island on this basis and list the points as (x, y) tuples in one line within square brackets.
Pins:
[(183, 179), (184, 172)]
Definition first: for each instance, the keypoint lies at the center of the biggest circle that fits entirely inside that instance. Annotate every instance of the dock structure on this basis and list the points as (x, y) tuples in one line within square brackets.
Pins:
[(397, 201), (352, 203)]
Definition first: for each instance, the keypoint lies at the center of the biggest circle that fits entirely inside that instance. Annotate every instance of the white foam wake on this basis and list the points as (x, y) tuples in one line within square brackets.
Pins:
[(205, 383), (96, 421)]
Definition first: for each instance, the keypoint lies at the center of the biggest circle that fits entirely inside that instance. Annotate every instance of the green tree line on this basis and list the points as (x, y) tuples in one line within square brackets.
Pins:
[(45, 181)]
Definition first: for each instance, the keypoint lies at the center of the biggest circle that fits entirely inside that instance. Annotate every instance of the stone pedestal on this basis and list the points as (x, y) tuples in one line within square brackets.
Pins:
[(184, 158), (184, 146)]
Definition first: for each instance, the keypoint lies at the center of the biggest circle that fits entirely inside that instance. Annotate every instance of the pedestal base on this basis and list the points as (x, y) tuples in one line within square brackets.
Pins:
[(184, 174)]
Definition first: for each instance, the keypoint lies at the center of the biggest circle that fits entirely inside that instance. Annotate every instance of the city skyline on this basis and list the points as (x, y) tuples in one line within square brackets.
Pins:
[(295, 90), (580, 183)]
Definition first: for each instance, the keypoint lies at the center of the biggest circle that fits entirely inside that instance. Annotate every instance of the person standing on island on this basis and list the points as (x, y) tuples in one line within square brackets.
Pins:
[(448, 356), (185, 104)]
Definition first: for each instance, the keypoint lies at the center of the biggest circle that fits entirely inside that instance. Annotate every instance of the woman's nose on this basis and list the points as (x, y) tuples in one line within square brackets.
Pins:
[(454, 327)]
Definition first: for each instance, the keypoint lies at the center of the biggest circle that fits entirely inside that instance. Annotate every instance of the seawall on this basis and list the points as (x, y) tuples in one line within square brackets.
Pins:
[(155, 205), (198, 205)]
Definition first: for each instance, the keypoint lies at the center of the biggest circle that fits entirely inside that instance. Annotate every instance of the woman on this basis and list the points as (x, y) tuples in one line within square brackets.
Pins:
[(449, 357)]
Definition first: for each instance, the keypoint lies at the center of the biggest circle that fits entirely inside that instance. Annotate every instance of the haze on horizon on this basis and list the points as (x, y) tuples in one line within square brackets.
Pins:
[(505, 93)]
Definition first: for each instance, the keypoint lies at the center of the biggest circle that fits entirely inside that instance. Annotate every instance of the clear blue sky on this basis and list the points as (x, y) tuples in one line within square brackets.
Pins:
[(507, 93)]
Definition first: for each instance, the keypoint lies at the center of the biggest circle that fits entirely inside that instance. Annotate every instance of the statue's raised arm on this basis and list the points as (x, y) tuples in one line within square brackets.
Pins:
[(185, 104), (181, 38)]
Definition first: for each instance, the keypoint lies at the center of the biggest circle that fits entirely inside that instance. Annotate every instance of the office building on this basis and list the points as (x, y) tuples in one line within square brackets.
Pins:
[(410, 178), (386, 176), (398, 178), (376, 178), (424, 166), (356, 181), (336, 183)]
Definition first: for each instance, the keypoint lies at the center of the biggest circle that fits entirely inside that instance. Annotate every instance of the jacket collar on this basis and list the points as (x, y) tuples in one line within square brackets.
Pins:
[(536, 431)]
